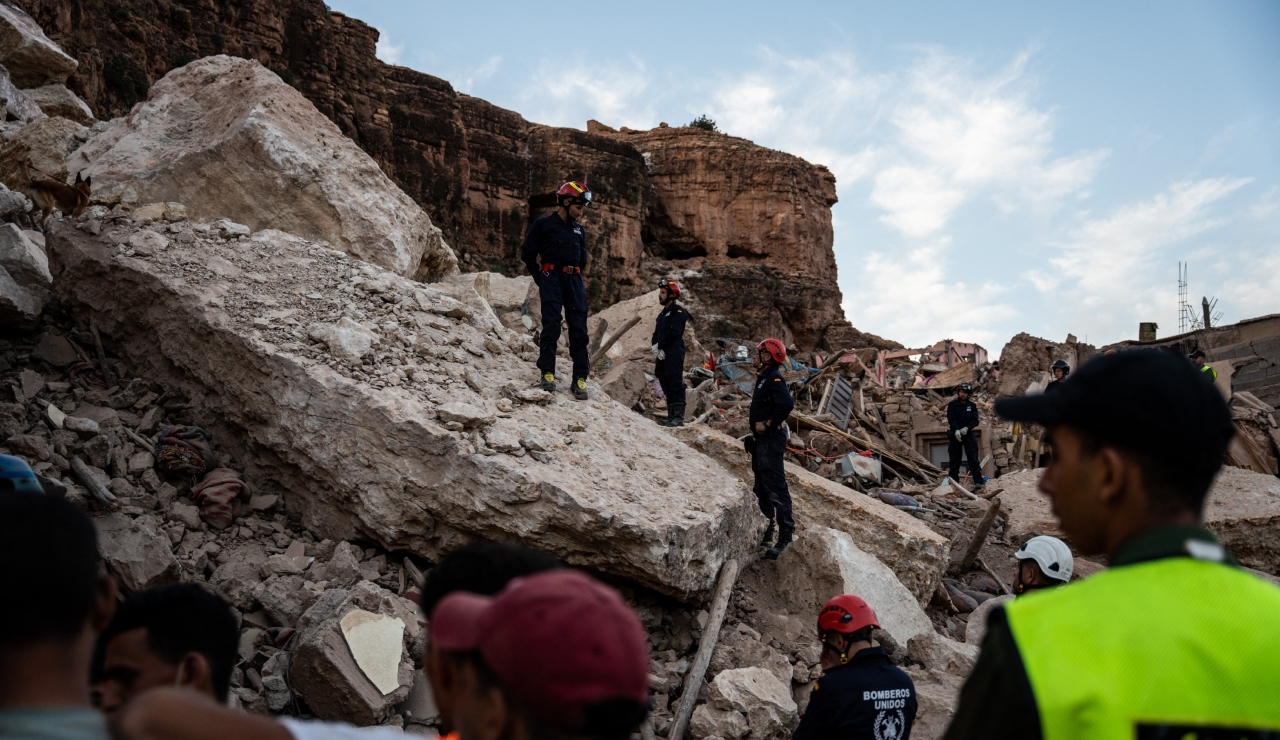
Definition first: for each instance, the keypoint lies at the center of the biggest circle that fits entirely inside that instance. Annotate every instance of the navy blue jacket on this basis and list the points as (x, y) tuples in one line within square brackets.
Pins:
[(771, 401), (668, 334), (868, 697), (961, 414), (552, 240)]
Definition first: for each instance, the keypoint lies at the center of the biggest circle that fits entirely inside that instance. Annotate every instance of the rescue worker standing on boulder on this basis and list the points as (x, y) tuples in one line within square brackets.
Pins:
[(668, 351), (1173, 640), (861, 694), (962, 416), (771, 404), (1198, 359), (555, 251)]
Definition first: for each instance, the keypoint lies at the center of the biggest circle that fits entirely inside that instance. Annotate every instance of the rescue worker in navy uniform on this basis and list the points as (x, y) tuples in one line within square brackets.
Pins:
[(1060, 369), (962, 416), (555, 251), (861, 694), (668, 351), (771, 404)]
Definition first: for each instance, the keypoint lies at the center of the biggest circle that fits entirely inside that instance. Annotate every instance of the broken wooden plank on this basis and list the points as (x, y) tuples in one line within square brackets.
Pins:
[(706, 646), (979, 536)]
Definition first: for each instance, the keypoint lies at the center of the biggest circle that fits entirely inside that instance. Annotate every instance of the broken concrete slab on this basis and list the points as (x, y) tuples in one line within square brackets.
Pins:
[(356, 449), (57, 100), (286, 599), (20, 307), (376, 644), (710, 722), (824, 562), (15, 104), (136, 556), (916, 554), (327, 674), (24, 260), (756, 693), (285, 166), (54, 349), (31, 58)]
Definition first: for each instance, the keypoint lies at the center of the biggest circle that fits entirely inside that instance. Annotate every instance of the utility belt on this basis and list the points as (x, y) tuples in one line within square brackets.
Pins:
[(548, 268)]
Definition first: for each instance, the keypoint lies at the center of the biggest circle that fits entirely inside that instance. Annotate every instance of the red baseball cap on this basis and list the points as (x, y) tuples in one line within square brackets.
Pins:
[(559, 641)]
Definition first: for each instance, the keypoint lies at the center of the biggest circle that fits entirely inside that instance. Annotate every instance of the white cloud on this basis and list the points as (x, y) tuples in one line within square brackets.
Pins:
[(387, 51), (1117, 270), (479, 74), (617, 95), (915, 299)]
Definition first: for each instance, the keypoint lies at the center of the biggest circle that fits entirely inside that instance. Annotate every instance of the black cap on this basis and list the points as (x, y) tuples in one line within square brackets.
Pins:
[(1197, 353), (1147, 401)]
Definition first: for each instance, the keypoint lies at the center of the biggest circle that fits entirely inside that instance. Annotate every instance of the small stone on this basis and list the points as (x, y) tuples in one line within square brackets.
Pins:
[(56, 417), (188, 515), (55, 350), (464, 413), (32, 383), (263, 503), (140, 462), (82, 426)]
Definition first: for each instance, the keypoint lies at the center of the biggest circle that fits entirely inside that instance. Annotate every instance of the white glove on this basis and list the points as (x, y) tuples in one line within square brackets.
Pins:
[(959, 434), (662, 355), (656, 351)]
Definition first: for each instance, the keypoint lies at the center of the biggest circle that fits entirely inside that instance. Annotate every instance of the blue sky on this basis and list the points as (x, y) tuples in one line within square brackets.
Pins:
[(1004, 168)]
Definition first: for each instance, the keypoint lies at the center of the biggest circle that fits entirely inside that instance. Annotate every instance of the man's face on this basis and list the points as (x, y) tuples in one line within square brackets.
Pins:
[(964, 395), (576, 210), (1199, 361), (1059, 373), (1072, 481), (129, 667), (663, 295)]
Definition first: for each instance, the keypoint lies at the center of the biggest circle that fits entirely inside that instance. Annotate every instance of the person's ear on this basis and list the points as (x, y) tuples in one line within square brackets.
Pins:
[(1112, 472), (195, 672), (104, 603)]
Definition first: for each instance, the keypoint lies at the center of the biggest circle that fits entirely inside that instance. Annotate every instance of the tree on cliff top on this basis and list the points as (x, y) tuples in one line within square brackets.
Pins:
[(705, 123)]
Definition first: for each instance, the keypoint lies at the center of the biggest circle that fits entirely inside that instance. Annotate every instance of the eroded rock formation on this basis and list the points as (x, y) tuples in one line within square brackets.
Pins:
[(753, 224)]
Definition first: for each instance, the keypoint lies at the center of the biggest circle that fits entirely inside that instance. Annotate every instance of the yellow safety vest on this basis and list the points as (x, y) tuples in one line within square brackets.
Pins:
[(1211, 371), (1165, 648)]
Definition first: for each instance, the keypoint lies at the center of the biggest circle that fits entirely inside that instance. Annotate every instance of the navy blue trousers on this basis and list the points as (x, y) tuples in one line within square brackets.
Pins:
[(672, 387), (563, 292), (771, 477)]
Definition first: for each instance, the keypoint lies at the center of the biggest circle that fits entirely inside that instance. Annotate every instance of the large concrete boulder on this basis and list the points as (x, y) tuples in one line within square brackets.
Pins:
[(359, 450), (31, 58), (228, 138), (757, 694), (916, 554), (352, 661), (138, 557), (824, 562), (25, 281), (57, 100), (46, 144), (1243, 509)]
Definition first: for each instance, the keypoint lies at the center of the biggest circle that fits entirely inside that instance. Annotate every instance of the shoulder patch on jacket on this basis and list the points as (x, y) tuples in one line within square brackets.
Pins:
[(777, 380)]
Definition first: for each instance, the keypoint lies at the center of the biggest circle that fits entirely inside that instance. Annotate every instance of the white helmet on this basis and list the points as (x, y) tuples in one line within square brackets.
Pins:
[(1051, 554)]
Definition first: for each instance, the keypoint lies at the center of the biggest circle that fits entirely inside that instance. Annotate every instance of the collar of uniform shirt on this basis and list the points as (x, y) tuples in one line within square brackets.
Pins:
[(1166, 542)]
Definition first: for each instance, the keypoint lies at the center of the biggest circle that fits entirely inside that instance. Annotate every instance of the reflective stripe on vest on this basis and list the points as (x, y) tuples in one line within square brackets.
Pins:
[(1167, 643)]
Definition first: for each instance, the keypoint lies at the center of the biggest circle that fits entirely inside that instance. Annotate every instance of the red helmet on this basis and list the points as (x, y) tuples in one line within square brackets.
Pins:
[(846, 613), (776, 349), (672, 287), (572, 193)]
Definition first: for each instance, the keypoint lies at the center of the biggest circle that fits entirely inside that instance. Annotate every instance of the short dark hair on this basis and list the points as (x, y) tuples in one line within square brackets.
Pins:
[(179, 619), (611, 719), (1174, 482), (1197, 353), (49, 561), (481, 568)]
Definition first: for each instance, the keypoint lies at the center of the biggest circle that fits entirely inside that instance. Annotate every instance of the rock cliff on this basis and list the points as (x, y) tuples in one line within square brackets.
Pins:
[(745, 220)]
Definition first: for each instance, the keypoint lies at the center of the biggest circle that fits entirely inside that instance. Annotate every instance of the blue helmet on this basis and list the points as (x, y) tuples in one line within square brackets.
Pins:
[(16, 475)]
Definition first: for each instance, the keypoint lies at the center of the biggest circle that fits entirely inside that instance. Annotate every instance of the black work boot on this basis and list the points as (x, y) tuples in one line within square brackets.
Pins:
[(667, 421), (580, 389), (675, 415), (549, 382), (769, 534), (784, 539)]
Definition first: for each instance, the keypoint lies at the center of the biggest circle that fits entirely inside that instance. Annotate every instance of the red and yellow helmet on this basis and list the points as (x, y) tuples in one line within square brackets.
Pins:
[(573, 193), (776, 349), (672, 286), (846, 613)]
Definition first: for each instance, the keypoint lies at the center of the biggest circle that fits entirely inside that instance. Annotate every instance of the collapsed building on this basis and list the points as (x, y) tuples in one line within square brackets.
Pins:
[(362, 397)]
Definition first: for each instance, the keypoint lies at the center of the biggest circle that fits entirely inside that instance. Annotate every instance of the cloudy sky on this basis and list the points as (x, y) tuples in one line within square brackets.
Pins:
[(1004, 168)]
